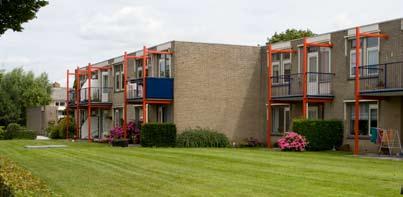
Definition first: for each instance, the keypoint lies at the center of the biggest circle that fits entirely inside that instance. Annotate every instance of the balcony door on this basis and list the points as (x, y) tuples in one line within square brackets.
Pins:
[(313, 69), (105, 87)]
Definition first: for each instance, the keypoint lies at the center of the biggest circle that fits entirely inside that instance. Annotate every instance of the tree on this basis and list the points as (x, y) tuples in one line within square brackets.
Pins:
[(290, 34), (15, 12), (20, 90)]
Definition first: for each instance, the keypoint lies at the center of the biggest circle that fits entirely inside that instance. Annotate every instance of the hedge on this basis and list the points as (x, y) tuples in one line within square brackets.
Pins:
[(321, 134), (201, 137), (17, 181), (158, 134), (15, 131)]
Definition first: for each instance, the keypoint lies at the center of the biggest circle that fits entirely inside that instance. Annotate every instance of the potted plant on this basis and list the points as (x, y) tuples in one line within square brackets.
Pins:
[(116, 137)]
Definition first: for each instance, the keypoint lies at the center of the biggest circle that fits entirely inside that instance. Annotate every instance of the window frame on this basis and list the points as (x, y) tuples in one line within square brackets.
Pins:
[(350, 118), (364, 56)]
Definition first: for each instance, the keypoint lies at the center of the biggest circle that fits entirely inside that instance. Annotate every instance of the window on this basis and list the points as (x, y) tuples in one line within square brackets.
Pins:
[(105, 84), (280, 119), (276, 72), (118, 117), (164, 62), (281, 67), (139, 68), (61, 104), (368, 117), (369, 52), (119, 77)]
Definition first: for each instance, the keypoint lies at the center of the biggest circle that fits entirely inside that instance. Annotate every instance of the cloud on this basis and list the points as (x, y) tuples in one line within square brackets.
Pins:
[(126, 24)]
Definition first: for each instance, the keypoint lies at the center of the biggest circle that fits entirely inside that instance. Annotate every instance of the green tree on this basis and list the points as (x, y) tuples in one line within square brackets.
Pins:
[(15, 12), (290, 34), (20, 90)]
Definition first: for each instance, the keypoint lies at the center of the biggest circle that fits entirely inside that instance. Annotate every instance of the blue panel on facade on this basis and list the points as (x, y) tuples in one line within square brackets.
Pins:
[(160, 88)]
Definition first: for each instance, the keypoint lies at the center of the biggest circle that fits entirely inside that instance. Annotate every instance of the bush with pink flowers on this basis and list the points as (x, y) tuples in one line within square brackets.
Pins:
[(292, 141)]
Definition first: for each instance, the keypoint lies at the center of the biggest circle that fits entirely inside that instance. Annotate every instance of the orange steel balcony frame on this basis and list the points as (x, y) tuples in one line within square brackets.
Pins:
[(270, 53), (305, 99), (84, 71), (357, 95), (144, 58)]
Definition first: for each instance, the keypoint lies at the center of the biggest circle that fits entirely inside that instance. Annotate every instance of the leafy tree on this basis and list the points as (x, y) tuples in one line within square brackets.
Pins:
[(20, 90), (290, 34), (15, 12)]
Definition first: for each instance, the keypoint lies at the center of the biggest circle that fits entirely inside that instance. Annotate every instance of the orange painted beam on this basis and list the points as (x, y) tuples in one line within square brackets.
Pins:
[(163, 102), (282, 51), (144, 104), (89, 102), (158, 52), (305, 71), (67, 105), (374, 35), (269, 95), (312, 44), (134, 57)]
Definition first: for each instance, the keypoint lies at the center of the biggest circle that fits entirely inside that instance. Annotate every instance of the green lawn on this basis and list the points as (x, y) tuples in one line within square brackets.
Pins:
[(100, 170)]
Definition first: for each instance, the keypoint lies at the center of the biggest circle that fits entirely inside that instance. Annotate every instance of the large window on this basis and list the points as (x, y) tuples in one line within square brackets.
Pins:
[(368, 117), (164, 65), (369, 53), (280, 119), (281, 71), (119, 77)]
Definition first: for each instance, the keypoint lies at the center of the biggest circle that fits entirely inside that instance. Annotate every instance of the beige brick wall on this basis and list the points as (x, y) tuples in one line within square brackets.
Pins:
[(219, 86)]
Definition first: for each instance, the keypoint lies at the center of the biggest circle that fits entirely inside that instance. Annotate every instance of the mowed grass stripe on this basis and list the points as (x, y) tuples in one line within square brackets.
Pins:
[(100, 170)]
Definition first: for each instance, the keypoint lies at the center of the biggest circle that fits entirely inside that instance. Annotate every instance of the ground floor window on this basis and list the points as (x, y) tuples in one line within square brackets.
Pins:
[(162, 113), (118, 117), (368, 117), (280, 119)]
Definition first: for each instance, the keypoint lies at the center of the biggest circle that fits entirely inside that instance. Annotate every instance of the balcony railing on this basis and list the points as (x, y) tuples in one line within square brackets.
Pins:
[(157, 88), (100, 95), (318, 84), (380, 78)]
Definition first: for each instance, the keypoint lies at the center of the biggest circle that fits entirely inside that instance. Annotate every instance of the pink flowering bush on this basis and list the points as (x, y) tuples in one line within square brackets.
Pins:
[(116, 133), (292, 141)]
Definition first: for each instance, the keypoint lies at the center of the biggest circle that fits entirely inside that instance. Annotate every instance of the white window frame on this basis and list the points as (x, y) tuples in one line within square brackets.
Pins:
[(284, 114), (367, 60), (373, 105), (351, 66), (277, 63), (330, 57), (117, 76), (283, 70)]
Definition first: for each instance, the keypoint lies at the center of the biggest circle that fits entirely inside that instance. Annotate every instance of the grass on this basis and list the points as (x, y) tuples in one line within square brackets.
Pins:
[(100, 170)]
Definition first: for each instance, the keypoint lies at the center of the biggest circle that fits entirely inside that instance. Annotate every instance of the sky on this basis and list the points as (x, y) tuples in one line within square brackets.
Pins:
[(71, 33)]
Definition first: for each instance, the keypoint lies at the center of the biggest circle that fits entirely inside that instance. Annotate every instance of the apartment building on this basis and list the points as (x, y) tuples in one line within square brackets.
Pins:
[(320, 83), (191, 84), (249, 91)]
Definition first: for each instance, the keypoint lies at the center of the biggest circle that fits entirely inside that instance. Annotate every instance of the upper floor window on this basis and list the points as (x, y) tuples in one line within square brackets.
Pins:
[(369, 55), (164, 65), (139, 68), (281, 67), (119, 77)]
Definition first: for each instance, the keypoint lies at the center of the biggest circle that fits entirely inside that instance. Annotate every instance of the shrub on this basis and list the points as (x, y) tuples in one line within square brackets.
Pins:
[(158, 134), (201, 137), (58, 130), (2, 133), (25, 134), (133, 132), (12, 128), (292, 141), (321, 134), (17, 181)]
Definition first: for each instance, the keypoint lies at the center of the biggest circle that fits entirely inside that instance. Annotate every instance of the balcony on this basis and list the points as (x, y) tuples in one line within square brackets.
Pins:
[(319, 85), (157, 89), (382, 79), (98, 95)]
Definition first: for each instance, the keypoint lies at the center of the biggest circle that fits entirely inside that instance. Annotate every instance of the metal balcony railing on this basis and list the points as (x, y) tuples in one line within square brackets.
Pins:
[(380, 78), (318, 84), (98, 94), (157, 88)]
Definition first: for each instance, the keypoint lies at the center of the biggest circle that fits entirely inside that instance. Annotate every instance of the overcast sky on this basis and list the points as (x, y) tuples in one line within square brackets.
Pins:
[(70, 33)]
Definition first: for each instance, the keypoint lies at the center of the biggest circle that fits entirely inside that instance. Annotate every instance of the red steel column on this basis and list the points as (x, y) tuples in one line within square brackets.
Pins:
[(89, 101), (78, 125), (357, 90), (67, 106), (269, 92), (144, 84), (305, 70), (125, 95)]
